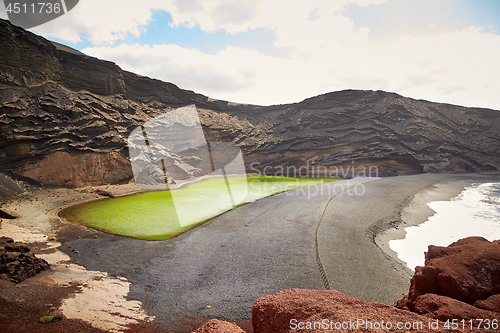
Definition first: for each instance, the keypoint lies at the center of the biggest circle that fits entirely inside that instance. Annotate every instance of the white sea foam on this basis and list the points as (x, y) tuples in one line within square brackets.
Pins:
[(474, 212)]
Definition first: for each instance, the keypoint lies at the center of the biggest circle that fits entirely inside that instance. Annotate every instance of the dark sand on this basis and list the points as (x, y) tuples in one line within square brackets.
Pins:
[(354, 263)]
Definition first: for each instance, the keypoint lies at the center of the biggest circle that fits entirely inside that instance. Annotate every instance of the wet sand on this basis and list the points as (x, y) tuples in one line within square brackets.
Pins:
[(417, 211), (359, 263)]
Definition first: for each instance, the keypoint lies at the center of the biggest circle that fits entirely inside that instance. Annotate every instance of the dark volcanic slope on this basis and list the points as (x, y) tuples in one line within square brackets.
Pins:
[(65, 119)]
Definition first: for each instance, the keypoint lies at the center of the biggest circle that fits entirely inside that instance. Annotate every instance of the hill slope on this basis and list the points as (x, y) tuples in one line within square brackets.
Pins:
[(65, 119)]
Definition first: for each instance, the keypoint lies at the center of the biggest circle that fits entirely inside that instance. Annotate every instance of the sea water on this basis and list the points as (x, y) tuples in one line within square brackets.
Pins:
[(474, 212)]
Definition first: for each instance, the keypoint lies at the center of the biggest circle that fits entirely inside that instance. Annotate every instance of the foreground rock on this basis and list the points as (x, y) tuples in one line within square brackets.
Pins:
[(219, 326), (331, 311), (467, 270), (492, 303), (458, 281), (17, 262), (444, 308)]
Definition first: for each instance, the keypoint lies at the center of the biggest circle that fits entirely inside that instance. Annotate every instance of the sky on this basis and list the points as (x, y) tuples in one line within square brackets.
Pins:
[(275, 51)]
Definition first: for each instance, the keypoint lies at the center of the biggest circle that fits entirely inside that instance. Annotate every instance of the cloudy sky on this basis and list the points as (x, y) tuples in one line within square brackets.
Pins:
[(282, 51)]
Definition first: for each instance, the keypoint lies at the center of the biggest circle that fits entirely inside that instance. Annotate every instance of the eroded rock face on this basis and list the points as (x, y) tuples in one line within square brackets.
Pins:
[(17, 262), (77, 170), (56, 101), (461, 278)]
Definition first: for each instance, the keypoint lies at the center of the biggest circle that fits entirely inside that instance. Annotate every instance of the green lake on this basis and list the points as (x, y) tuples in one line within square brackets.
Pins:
[(162, 215)]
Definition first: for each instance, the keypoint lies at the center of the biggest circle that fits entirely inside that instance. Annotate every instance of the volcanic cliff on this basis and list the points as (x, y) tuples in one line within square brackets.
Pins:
[(65, 118)]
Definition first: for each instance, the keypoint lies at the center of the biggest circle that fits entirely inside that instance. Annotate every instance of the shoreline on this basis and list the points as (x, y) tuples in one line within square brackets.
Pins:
[(354, 262), (417, 212), (261, 238)]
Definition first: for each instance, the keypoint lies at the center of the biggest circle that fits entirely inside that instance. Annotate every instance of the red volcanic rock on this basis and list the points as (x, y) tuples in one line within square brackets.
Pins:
[(330, 311), (444, 308), (490, 304), (219, 326), (467, 270)]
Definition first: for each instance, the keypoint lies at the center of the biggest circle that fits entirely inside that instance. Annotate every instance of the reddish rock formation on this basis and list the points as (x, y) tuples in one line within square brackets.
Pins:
[(444, 308), (219, 326), (490, 304), (17, 262), (7, 214), (467, 270), (330, 311), (461, 281)]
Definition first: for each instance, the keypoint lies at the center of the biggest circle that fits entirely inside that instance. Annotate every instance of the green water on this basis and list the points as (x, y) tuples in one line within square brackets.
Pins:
[(165, 214)]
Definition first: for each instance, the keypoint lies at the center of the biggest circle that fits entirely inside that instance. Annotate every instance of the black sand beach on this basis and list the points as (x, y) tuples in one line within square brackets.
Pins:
[(269, 245)]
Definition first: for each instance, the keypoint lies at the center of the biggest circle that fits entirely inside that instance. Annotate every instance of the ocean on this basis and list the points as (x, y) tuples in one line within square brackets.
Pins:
[(474, 212)]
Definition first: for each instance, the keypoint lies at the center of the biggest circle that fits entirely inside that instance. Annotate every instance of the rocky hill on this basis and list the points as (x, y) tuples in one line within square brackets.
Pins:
[(65, 118)]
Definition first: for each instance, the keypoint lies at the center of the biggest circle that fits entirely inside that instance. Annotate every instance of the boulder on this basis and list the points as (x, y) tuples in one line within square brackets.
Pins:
[(330, 311), (219, 326), (444, 308), (104, 193), (492, 303), (7, 214), (467, 270)]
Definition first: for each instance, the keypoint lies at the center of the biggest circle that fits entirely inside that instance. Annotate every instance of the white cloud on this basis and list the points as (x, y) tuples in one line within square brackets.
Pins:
[(103, 22), (234, 12), (459, 67), (187, 68)]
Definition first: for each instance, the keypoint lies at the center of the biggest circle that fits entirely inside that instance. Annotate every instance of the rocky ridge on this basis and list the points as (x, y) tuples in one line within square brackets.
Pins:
[(64, 107)]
